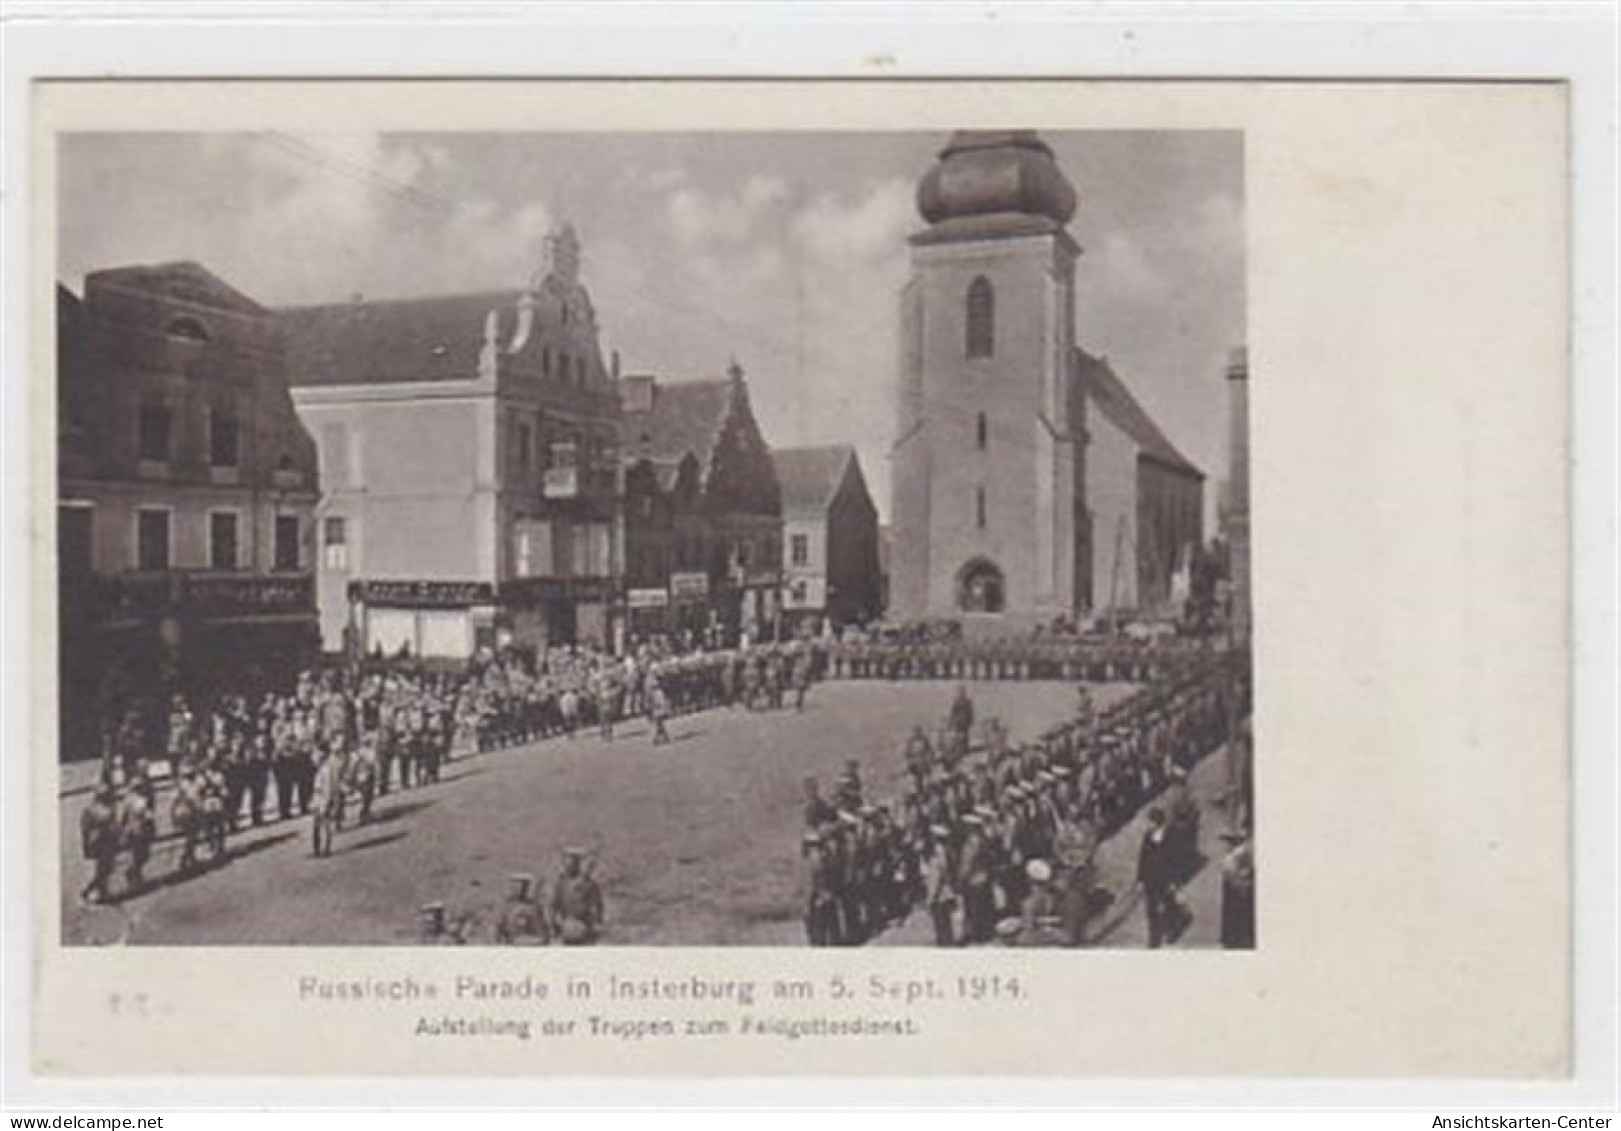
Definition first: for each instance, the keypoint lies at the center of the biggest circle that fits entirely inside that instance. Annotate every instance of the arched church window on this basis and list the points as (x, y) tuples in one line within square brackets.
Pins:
[(981, 318), (979, 507)]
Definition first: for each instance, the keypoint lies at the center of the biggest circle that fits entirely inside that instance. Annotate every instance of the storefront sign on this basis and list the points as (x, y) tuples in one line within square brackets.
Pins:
[(423, 594), (762, 579), (250, 596), (689, 585), (647, 598), (540, 590)]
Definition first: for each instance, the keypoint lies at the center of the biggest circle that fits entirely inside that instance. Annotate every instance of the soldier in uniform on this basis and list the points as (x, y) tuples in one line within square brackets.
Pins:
[(522, 921), (848, 794), (1157, 877), (137, 829), (960, 721), (1042, 921), (182, 726), (98, 838), (821, 911), (577, 901), (363, 775), (939, 878), (773, 680), (801, 677), (610, 697), (1238, 894), (186, 813), (435, 929), (919, 754), (326, 802), (658, 709), (817, 811), (974, 882), (258, 775), (1075, 847)]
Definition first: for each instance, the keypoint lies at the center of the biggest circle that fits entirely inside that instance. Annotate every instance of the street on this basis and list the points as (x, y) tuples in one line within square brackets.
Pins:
[(697, 842)]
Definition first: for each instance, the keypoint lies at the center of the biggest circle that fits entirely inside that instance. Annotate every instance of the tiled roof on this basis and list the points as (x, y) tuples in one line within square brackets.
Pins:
[(1109, 395), (686, 417), (358, 343), (182, 280), (810, 476)]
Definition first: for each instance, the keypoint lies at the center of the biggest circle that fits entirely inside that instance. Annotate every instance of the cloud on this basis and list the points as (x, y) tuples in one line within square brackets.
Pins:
[(838, 229), (1130, 274), (699, 218)]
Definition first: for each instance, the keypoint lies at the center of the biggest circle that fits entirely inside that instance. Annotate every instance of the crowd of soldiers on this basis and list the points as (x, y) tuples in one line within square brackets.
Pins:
[(343, 737), (997, 840), (574, 915)]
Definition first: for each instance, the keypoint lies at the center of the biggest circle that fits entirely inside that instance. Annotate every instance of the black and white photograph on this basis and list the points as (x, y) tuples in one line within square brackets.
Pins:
[(701, 539)]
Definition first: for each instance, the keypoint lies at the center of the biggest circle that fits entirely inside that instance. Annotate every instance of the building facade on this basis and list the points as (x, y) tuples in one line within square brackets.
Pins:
[(1145, 501), (830, 557), (988, 468), (186, 492), (469, 447), (703, 509)]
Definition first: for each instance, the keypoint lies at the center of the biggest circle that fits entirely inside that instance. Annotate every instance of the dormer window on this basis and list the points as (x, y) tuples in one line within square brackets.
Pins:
[(187, 329)]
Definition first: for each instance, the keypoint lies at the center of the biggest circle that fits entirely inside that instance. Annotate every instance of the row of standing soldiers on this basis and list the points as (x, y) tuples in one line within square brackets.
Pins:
[(1009, 658), (1003, 839)]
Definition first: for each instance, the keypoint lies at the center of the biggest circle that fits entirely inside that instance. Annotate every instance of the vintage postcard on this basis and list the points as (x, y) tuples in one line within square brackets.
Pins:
[(560, 578)]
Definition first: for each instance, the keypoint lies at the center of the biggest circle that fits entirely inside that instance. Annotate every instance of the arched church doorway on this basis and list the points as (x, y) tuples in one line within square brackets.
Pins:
[(980, 588)]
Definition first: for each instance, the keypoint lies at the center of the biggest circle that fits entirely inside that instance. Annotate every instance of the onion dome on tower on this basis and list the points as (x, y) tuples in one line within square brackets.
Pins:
[(988, 184)]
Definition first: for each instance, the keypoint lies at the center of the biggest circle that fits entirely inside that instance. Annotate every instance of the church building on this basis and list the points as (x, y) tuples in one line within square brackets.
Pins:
[(992, 469)]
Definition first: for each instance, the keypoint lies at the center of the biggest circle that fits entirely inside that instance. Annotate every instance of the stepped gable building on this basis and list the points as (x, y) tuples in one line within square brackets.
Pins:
[(703, 509), (469, 451), (994, 511), (831, 572), (186, 490)]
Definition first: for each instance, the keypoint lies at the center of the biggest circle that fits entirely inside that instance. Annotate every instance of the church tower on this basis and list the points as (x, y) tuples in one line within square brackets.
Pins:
[(988, 512)]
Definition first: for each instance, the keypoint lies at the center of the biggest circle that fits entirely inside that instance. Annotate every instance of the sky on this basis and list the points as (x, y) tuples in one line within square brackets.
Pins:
[(785, 251)]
